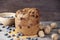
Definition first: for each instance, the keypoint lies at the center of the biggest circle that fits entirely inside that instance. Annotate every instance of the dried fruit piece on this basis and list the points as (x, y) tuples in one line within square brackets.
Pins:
[(28, 26)]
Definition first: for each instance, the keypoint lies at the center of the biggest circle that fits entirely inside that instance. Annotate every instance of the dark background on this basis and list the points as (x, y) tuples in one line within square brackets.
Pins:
[(49, 9)]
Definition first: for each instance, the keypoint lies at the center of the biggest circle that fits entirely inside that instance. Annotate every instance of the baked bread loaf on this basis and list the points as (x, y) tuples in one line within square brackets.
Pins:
[(27, 21)]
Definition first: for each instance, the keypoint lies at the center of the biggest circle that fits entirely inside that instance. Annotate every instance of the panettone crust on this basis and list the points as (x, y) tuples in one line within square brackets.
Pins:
[(27, 21)]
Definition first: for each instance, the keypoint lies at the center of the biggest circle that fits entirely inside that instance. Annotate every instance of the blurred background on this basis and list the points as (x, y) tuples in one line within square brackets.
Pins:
[(49, 9)]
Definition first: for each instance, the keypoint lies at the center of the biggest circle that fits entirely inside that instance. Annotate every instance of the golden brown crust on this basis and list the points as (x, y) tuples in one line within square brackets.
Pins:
[(27, 21)]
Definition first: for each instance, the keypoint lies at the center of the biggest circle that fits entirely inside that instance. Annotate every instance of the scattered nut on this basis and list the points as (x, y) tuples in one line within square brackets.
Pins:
[(41, 26), (59, 31), (54, 36), (41, 34), (47, 29), (53, 25)]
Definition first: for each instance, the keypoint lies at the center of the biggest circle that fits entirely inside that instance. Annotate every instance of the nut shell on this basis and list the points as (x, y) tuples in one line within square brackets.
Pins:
[(59, 31), (41, 34), (41, 27), (47, 29), (53, 25), (54, 36)]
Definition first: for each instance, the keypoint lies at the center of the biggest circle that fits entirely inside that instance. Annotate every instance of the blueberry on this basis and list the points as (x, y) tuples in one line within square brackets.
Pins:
[(3, 27), (13, 35), (6, 34), (34, 39), (13, 29), (11, 16), (20, 34), (10, 29), (11, 39), (9, 36), (28, 38), (0, 30)]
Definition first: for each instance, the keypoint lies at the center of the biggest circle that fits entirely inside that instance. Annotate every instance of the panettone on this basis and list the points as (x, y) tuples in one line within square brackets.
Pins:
[(27, 21)]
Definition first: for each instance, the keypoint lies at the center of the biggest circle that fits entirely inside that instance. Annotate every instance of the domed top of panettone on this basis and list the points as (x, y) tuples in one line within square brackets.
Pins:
[(27, 21)]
